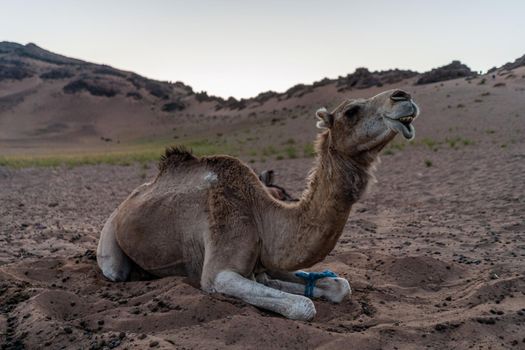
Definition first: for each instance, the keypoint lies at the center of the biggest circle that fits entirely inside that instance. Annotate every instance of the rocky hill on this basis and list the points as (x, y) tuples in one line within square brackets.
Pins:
[(50, 100), (519, 62), (454, 70)]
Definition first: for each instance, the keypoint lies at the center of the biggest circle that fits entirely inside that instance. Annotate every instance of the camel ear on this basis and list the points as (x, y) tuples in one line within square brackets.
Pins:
[(326, 120)]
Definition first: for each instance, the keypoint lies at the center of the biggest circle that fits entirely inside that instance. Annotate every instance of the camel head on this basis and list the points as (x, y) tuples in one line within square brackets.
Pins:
[(367, 125)]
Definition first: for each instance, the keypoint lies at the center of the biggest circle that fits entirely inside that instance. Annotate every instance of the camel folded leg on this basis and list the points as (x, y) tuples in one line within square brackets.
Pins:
[(291, 306), (231, 252), (113, 262), (332, 289)]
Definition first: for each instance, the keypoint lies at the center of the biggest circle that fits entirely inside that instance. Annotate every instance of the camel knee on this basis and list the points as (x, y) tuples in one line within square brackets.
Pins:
[(114, 268), (225, 282), (113, 262), (302, 309)]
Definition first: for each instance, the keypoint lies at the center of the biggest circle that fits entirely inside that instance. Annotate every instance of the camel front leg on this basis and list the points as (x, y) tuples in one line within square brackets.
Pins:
[(291, 306), (334, 289)]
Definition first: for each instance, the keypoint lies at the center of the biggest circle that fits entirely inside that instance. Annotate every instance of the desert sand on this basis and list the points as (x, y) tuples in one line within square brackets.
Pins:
[(435, 257), (435, 252)]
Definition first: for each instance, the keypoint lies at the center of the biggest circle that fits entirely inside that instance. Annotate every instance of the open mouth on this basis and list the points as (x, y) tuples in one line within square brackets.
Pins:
[(402, 125)]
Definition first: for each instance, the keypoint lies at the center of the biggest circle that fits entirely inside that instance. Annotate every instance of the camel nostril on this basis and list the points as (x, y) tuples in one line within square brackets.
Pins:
[(400, 95)]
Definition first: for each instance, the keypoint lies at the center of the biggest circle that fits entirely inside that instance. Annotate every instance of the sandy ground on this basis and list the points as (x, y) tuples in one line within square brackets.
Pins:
[(434, 254)]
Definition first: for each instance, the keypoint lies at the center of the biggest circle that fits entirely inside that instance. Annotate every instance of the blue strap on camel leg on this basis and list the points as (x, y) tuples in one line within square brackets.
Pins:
[(311, 277)]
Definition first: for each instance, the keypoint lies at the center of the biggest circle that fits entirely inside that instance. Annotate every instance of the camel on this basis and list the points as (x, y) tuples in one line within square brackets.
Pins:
[(213, 220)]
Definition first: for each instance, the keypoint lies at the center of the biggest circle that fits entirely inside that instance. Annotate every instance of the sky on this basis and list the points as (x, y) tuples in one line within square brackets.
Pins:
[(241, 47)]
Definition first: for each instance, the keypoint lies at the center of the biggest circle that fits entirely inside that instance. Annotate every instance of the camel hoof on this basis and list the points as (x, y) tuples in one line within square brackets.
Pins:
[(334, 289), (303, 309), (343, 289)]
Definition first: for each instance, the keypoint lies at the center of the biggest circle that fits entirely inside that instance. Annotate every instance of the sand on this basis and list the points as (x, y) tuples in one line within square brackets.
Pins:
[(435, 252), (435, 257)]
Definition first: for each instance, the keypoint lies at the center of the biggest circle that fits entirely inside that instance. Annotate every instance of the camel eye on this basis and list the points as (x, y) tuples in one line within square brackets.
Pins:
[(352, 111)]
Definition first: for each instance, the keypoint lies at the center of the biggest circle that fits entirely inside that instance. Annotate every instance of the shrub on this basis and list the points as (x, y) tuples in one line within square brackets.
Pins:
[(155, 88), (158, 90), (291, 152), (268, 151), (90, 86), (233, 103), (431, 144), (134, 95), (14, 70), (106, 70), (173, 106), (57, 74), (309, 150), (298, 90), (203, 96)]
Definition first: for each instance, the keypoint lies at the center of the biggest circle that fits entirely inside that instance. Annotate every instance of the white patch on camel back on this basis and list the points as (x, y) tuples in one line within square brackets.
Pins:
[(211, 177)]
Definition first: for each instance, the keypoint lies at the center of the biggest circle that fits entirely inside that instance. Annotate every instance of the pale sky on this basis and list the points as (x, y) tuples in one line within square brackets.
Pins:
[(240, 48)]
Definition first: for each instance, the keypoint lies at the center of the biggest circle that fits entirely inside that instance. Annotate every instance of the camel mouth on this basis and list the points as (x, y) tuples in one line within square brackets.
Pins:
[(402, 125)]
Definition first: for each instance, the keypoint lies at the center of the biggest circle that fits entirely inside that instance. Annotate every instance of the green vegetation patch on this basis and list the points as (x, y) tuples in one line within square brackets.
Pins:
[(141, 153), (72, 160)]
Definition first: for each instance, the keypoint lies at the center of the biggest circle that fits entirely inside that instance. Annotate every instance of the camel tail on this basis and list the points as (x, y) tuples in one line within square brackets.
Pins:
[(174, 156)]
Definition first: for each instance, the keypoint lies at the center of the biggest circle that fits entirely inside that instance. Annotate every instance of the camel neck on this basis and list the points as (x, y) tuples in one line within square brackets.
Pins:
[(315, 223), (336, 179)]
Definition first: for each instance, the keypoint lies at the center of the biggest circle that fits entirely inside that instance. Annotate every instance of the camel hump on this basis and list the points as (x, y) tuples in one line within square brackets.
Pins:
[(174, 156)]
